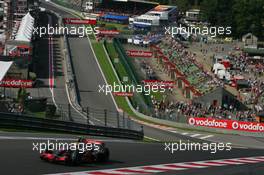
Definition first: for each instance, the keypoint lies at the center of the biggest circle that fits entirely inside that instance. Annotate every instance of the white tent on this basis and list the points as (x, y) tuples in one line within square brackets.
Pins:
[(25, 29), (130, 40), (137, 41), (146, 42), (217, 67), (4, 67), (223, 74)]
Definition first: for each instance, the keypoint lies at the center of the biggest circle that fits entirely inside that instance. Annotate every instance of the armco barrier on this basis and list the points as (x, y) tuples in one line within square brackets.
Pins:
[(31, 123), (193, 127)]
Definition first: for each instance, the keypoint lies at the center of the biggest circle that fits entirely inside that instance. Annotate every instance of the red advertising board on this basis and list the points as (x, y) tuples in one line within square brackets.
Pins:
[(108, 32), (166, 84), (79, 21), (227, 124), (16, 83), (139, 53), (124, 94)]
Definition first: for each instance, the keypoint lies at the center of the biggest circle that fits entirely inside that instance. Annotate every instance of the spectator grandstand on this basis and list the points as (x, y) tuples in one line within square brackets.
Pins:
[(177, 59), (186, 65)]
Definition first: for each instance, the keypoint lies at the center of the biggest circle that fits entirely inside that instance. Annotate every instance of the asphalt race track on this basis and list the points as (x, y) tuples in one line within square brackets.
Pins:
[(17, 147), (88, 76)]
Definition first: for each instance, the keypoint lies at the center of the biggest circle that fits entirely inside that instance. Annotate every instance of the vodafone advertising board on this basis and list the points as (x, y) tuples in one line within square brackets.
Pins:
[(79, 21), (165, 84), (123, 94), (227, 124), (139, 53), (12, 83), (108, 32)]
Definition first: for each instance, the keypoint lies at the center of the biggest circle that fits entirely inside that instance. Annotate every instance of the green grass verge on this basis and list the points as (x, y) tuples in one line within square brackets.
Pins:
[(121, 71), (109, 74), (37, 114)]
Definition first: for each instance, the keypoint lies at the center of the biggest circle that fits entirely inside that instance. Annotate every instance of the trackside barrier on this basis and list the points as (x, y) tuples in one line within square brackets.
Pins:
[(31, 123), (227, 124)]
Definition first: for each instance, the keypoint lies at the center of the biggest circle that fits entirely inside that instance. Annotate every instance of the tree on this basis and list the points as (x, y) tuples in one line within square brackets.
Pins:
[(249, 17), (242, 16), (183, 5), (209, 9)]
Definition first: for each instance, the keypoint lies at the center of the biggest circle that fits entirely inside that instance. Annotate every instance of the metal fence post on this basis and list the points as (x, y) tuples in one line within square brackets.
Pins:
[(61, 112), (105, 117), (69, 112), (117, 115), (128, 123), (123, 119), (87, 115)]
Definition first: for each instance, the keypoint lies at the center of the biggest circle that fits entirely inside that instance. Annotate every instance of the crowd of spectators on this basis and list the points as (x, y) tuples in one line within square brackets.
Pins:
[(256, 94), (251, 72), (14, 108), (243, 65), (149, 72), (185, 110)]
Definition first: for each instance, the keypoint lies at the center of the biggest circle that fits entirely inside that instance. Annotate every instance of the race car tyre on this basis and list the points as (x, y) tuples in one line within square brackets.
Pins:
[(103, 157), (75, 158)]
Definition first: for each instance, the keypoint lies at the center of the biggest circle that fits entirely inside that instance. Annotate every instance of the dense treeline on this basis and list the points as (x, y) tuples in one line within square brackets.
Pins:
[(242, 15)]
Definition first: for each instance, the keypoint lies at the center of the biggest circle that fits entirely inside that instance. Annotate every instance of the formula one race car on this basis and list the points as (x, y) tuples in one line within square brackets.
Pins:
[(95, 152)]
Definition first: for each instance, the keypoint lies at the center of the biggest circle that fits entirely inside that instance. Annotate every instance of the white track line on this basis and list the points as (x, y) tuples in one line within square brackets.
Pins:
[(206, 137)]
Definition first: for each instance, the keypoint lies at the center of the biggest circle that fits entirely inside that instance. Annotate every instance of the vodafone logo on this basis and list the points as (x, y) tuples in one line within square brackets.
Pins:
[(191, 121), (208, 123), (235, 125), (249, 127)]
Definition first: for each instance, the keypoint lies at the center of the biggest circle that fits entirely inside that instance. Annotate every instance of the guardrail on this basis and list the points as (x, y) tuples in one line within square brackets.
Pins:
[(40, 124)]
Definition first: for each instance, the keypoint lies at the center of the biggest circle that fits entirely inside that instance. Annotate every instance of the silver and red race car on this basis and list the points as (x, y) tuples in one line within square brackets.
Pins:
[(96, 153)]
